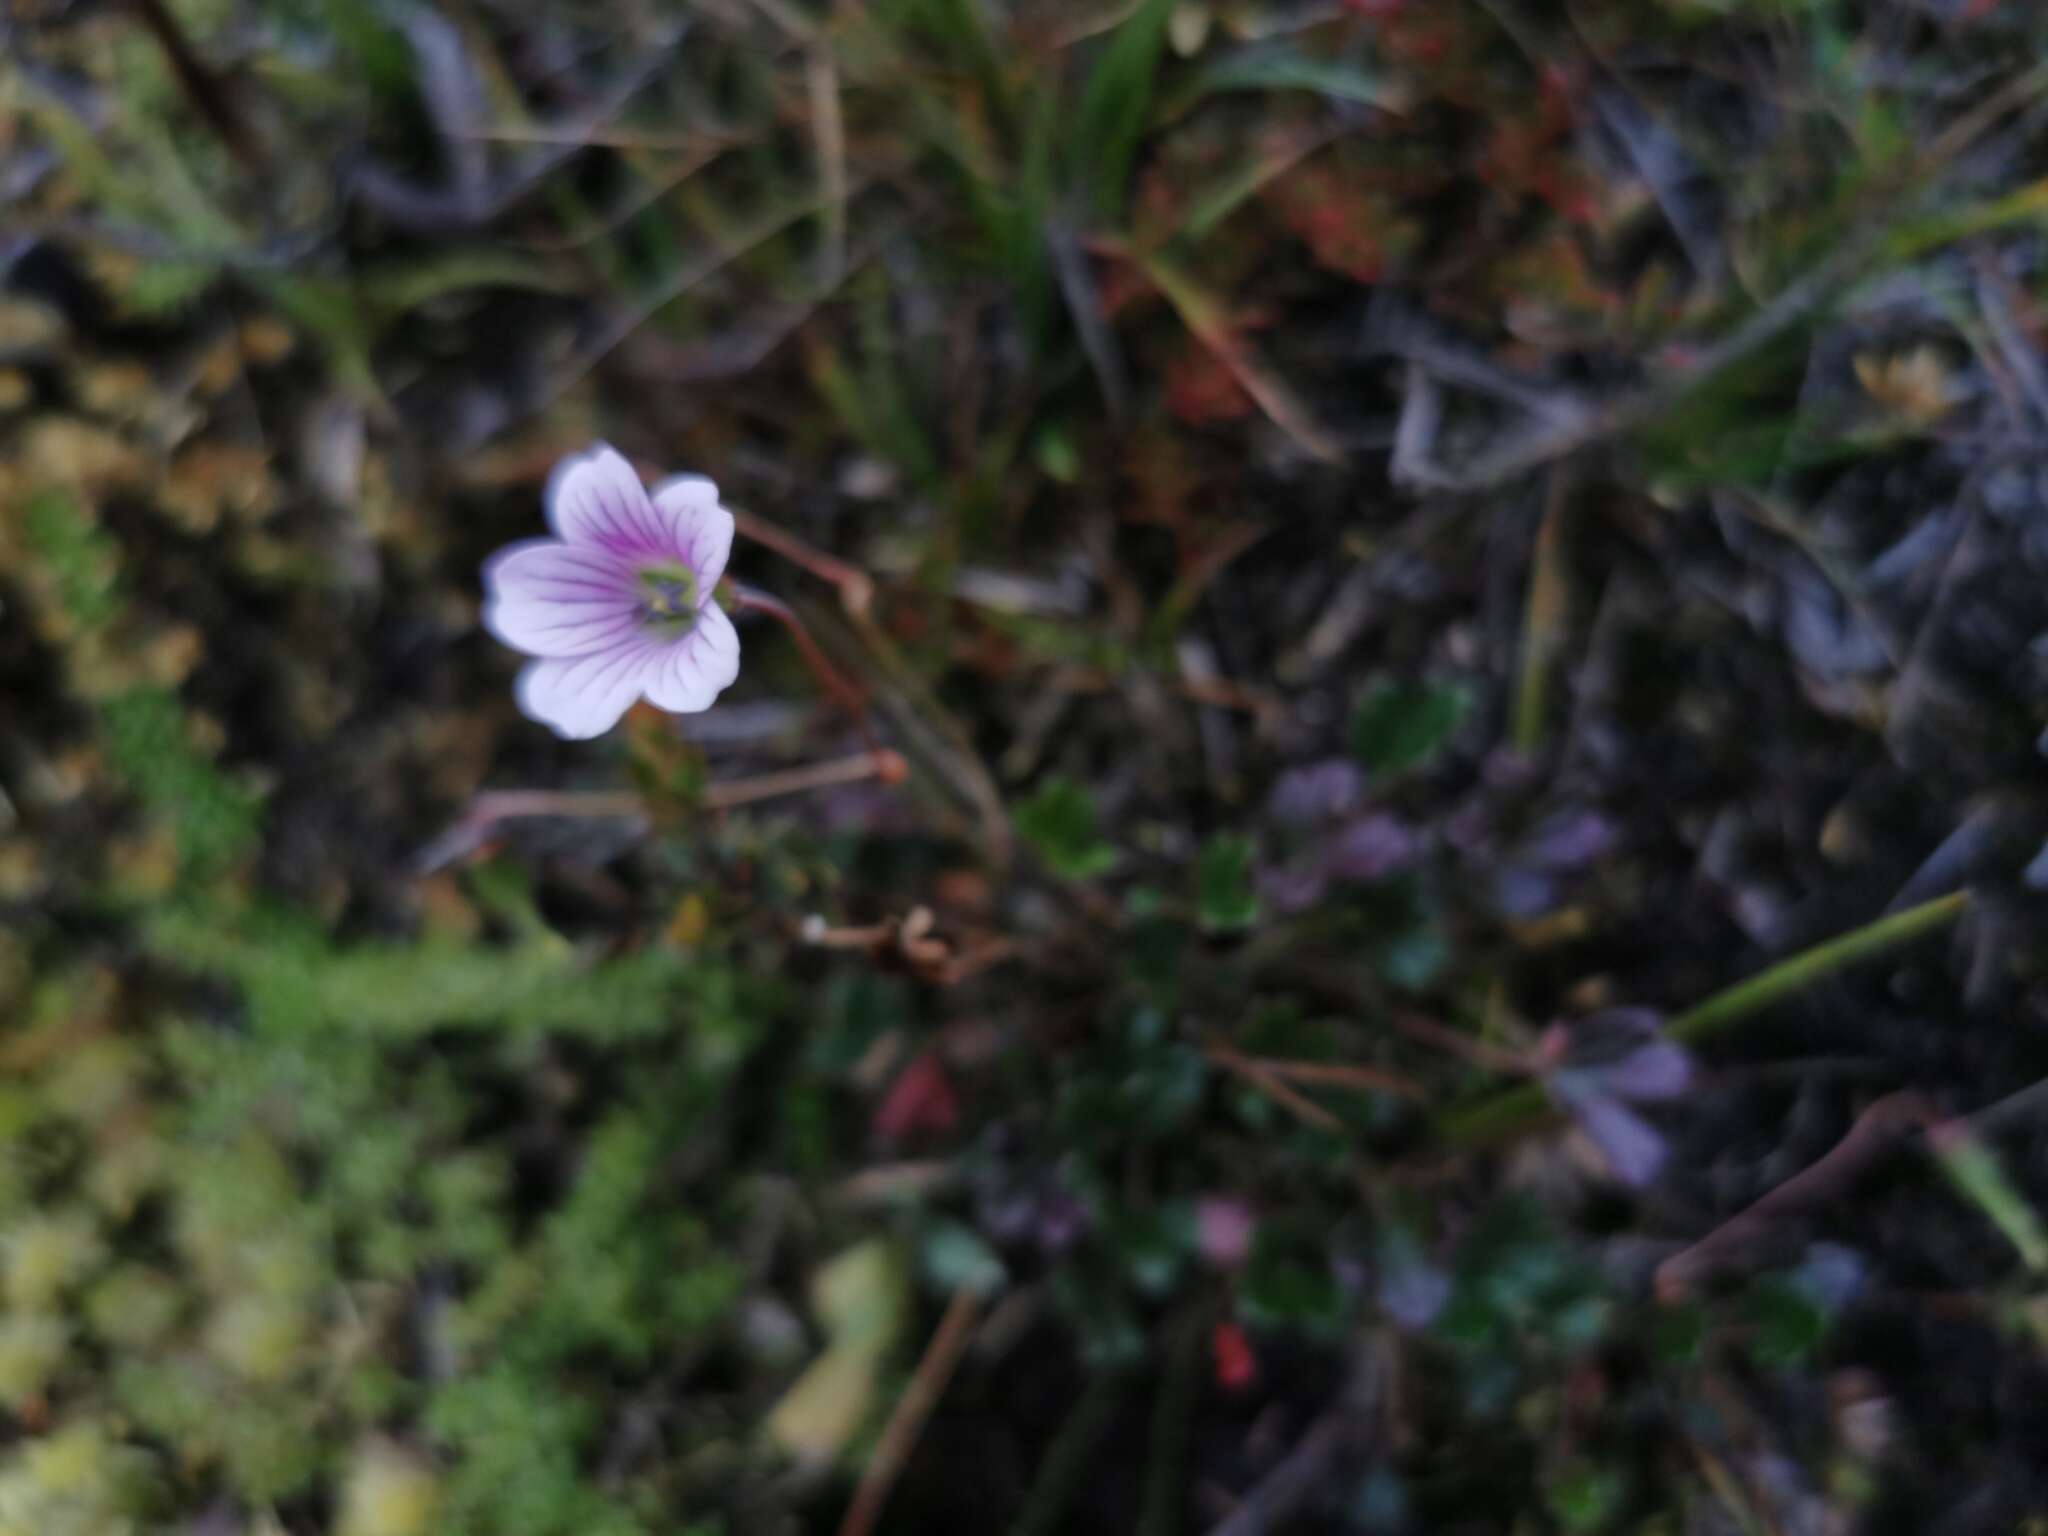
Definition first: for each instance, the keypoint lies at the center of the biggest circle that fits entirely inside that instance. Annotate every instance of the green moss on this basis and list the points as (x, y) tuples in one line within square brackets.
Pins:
[(214, 819), (83, 562), (32, 1350)]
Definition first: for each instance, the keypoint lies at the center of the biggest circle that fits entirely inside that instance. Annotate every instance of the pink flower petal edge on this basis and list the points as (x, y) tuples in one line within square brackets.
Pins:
[(619, 604)]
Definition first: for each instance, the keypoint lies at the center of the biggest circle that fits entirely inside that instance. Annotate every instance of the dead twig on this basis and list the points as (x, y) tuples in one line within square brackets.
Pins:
[(913, 1408), (913, 942), (1268, 1082), (1340, 1074), (1475, 1052), (1876, 1133), (1341, 1432), (1883, 1129), (890, 1183), (2013, 1112), (1468, 368), (1995, 301), (1216, 692), (494, 807)]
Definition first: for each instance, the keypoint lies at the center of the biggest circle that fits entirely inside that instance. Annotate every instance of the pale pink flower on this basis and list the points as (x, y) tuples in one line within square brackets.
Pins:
[(618, 605), (1224, 1228)]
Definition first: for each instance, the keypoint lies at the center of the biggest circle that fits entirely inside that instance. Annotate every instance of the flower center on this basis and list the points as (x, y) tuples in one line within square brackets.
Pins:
[(668, 598)]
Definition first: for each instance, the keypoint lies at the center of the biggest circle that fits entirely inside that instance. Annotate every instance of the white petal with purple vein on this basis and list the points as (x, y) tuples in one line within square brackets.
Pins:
[(694, 670), (701, 528), (551, 599), (582, 696), (595, 498)]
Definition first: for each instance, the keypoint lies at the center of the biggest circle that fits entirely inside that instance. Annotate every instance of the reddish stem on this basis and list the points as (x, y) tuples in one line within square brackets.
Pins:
[(856, 588), (838, 687)]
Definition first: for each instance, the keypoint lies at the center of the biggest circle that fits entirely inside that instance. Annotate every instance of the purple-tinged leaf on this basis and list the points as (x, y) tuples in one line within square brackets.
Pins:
[(1317, 792), (1569, 840), (1658, 1070), (1629, 1145), (1291, 888), (1372, 848), (1412, 1291)]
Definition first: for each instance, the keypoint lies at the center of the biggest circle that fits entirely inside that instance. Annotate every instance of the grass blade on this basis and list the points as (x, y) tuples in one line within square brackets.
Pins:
[(1204, 316), (1116, 104), (1504, 1114)]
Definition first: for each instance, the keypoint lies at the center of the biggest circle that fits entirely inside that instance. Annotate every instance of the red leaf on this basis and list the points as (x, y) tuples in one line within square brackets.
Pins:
[(1236, 1366), (1201, 389), (922, 1100)]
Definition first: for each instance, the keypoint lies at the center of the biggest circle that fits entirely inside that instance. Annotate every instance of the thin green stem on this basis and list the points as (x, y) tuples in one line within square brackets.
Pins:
[(1518, 1108), (1173, 1408), (1066, 1460), (1787, 976), (1543, 620)]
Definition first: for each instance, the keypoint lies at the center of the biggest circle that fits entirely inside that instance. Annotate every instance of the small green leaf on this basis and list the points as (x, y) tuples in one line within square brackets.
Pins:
[(1224, 893), (1153, 1245), (1400, 726), (956, 1256), (1059, 822), (1058, 456), (1284, 69), (1087, 1293), (1288, 1281), (859, 1296), (1414, 957), (165, 287), (1585, 1498), (1786, 1324), (391, 290), (1677, 1333)]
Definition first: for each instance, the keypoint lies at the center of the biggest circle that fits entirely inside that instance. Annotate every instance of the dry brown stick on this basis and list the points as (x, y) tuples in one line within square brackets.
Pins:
[(1492, 1058), (1266, 1081), (1882, 1129), (1305, 1470), (487, 810), (1975, 123), (907, 1418), (1202, 569), (1340, 1074), (1216, 692), (881, 764), (1876, 1133), (2011, 1112)]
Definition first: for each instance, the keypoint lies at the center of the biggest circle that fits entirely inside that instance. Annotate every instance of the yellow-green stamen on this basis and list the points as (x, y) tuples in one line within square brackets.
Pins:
[(668, 597)]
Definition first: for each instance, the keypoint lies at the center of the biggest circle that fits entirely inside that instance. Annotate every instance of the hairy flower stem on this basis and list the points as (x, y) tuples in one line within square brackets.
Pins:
[(838, 687), (487, 810), (856, 589)]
